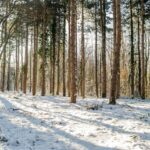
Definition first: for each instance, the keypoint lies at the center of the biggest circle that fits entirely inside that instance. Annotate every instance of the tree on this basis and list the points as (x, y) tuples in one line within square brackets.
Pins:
[(73, 85), (44, 25), (116, 51), (17, 65), (64, 50), (34, 81), (26, 63), (103, 30), (82, 80), (132, 49), (58, 54), (142, 52), (96, 59)]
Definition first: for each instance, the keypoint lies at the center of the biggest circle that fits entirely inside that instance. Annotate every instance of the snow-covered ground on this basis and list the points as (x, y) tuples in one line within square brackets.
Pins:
[(52, 123)]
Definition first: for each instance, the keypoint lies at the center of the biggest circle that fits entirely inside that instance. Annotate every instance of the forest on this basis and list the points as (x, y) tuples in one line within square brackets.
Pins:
[(74, 74)]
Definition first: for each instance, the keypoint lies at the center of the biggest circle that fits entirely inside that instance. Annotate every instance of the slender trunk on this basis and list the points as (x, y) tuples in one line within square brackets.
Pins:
[(69, 50), (103, 30), (34, 73), (4, 52), (54, 50), (142, 53), (132, 50), (8, 73), (31, 63), (64, 50), (139, 59), (43, 90), (22, 63), (96, 62), (73, 52), (17, 65), (58, 56), (4, 68), (147, 55), (51, 66), (100, 72), (82, 80), (26, 63)]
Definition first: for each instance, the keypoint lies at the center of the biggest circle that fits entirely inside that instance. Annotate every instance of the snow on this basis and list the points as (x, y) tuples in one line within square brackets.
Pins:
[(52, 123)]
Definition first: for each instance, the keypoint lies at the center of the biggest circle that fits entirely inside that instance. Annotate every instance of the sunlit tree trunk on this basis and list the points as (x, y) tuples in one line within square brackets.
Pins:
[(73, 52)]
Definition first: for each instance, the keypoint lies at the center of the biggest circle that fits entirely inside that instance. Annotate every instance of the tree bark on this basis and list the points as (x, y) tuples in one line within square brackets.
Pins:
[(43, 90), (58, 55), (82, 80), (116, 52), (69, 49), (34, 73), (17, 65), (73, 52), (26, 63), (96, 62), (64, 52), (139, 59), (132, 50), (142, 53), (103, 30)]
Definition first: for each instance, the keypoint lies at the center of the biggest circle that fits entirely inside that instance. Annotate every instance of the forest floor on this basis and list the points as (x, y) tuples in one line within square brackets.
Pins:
[(52, 123)]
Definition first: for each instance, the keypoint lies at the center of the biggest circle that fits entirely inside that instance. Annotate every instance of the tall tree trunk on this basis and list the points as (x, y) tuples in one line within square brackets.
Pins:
[(96, 62), (116, 52), (4, 69), (73, 52), (4, 51), (142, 52), (139, 59), (147, 55), (64, 52), (82, 80), (34, 80), (132, 50), (31, 51), (21, 57), (58, 55), (17, 65), (103, 30), (54, 51), (69, 49), (43, 90), (26, 63), (100, 72), (51, 66), (8, 70)]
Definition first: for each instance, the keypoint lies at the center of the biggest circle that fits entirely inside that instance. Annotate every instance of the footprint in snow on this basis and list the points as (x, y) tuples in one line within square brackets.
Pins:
[(3, 139)]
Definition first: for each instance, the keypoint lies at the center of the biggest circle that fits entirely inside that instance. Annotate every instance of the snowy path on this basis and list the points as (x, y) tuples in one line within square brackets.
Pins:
[(52, 123)]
